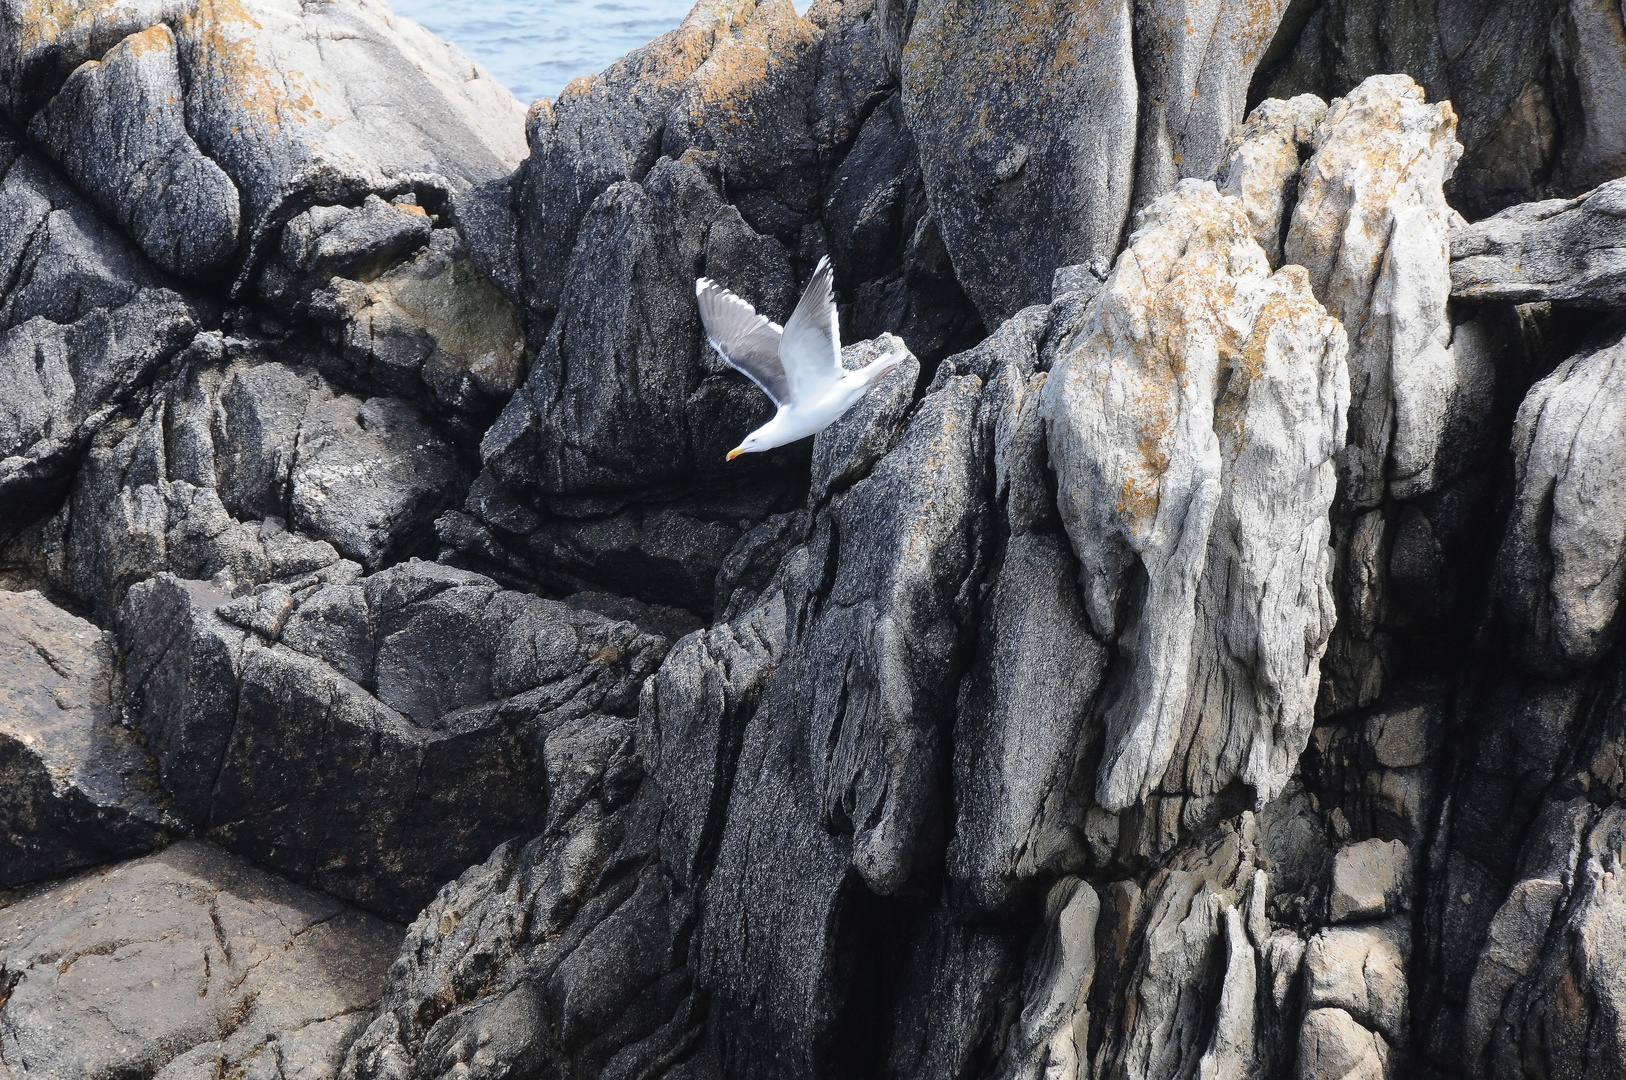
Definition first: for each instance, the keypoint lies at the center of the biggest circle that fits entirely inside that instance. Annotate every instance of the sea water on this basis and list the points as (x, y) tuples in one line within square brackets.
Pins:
[(536, 48)]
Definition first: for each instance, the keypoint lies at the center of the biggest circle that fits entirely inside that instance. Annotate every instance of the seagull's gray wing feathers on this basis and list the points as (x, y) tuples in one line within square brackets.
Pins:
[(811, 348), (745, 339)]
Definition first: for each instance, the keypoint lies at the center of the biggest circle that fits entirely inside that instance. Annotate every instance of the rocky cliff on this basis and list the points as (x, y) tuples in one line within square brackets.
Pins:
[(1198, 659)]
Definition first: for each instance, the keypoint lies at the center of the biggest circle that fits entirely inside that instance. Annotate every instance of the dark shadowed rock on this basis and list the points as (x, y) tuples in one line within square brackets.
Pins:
[(75, 787), (419, 698), (185, 964), (85, 320)]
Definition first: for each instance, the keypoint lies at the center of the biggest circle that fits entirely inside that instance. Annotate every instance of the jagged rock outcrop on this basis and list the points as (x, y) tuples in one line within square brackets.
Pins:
[(84, 322), (1198, 659), (185, 963), (1562, 251), (1198, 385), (1536, 85), (640, 179)]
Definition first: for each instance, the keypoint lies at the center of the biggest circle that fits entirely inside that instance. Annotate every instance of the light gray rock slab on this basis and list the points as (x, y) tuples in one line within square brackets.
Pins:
[(1559, 570), (1332, 1046), (185, 963), (1370, 879), (1371, 226), (1362, 970)]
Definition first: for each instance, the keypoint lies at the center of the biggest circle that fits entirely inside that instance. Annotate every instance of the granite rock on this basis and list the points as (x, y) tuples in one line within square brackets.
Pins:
[(183, 964), (78, 788)]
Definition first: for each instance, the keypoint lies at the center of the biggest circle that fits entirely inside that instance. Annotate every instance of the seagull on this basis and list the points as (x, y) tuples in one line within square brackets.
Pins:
[(798, 365)]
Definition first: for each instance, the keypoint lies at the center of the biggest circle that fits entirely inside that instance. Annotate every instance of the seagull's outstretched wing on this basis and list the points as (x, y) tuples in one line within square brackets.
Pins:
[(745, 339), (811, 348)]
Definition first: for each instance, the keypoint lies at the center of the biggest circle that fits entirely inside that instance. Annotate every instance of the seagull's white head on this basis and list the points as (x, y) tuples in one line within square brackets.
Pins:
[(751, 445)]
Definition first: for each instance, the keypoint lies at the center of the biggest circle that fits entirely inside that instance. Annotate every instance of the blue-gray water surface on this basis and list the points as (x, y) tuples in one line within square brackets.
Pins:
[(536, 48)]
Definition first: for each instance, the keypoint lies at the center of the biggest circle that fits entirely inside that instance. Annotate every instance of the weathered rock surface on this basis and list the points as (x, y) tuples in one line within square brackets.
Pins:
[(1535, 84), (1044, 126), (183, 964), (370, 737), (84, 322), (1210, 672), (1569, 252), (243, 470), (118, 128), (1198, 382), (75, 788), (1558, 572)]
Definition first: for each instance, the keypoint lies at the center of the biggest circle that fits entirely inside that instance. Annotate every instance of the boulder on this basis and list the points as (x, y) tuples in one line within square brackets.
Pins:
[(1362, 970), (245, 470), (78, 789), (85, 321), (183, 964), (1005, 175), (420, 699), (1558, 573), (1370, 879), (1332, 1046), (118, 128), (1088, 114)]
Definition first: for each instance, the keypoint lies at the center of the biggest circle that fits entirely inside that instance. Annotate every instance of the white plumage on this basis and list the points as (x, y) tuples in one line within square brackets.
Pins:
[(798, 365)]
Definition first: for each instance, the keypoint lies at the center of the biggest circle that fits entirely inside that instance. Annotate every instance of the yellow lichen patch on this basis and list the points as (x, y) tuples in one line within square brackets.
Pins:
[(153, 39), (225, 35), (745, 64)]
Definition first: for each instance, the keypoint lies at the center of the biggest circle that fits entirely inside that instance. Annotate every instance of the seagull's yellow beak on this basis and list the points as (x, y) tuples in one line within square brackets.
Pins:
[(736, 452)]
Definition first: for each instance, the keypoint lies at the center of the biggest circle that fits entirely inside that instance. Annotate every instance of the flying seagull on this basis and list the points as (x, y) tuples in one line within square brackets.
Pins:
[(798, 365)]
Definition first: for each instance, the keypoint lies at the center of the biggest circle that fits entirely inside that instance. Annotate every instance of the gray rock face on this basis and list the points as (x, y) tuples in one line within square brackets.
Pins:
[(1005, 192), (1149, 94), (1564, 251), (1532, 84), (118, 127), (1550, 949), (232, 453), (1370, 879), (838, 766), (77, 788), (1126, 694), (84, 323), (185, 963), (1557, 572), (419, 698)]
